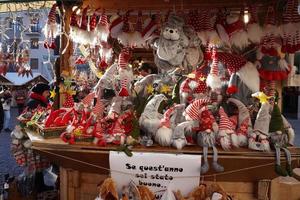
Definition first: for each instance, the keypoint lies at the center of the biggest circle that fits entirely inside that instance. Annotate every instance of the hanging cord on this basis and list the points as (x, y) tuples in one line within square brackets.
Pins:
[(121, 172)]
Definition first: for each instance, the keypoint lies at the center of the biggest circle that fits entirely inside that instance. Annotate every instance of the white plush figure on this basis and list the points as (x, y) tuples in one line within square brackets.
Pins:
[(149, 121), (171, 118)]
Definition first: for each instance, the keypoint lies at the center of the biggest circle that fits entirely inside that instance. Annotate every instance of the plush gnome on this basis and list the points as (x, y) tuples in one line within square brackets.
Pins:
[(171, 118), (51, 28), (259, 138), (82, 32), (235, 29), (280, 138), (150, 118), (125, 72), (193, 87), (213, 79), (192, 116), (74, 25), (244, 126), (226, 131), (92, 33), (206, 137), (149, 27), (254, 30)]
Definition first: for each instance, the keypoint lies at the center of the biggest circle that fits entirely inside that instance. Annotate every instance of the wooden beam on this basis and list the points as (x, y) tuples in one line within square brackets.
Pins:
[(169, 4)]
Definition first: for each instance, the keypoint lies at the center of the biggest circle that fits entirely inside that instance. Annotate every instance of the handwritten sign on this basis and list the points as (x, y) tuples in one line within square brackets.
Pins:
[(156, 170)]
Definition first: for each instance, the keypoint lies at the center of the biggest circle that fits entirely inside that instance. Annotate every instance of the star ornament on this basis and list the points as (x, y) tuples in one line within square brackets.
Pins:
[(149, 89), (71, 92), (202, 79), (165, 89), (52, 94)]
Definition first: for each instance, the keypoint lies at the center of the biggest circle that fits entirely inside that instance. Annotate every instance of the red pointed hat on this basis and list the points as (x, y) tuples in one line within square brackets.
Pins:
[(225, 123), (84, 20), (52, 13), (193, 110)]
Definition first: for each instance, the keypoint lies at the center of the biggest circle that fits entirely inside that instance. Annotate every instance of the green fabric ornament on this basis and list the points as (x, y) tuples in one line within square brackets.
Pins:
[(276, 123)]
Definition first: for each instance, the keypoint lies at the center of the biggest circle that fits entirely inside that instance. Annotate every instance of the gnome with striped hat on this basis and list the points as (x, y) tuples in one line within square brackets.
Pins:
[(74, 25), (125, 72), (213, 80), (102, 28), (51, 29), (254, 30), (226, 133), (116, 25)]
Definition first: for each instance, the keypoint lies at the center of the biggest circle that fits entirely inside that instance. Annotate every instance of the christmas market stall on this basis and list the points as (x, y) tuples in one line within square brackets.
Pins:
[(185, 103)]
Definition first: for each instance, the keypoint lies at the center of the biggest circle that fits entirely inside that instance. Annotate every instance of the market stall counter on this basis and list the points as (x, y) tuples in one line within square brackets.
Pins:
[(83, 166)]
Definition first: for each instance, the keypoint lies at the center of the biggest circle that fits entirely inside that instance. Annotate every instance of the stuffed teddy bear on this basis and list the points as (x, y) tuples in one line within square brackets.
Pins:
[(171, 45)]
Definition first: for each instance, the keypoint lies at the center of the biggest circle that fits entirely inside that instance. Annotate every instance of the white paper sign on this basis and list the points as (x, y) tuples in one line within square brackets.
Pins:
[(156, 170)]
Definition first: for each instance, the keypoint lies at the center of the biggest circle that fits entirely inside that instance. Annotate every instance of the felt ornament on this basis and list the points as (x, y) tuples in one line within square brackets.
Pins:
[(69, 102), (149, 121), (235, 29), (213, 80), (51, 28), (254, 30), (194, 86), (226, 130), (116, 25)]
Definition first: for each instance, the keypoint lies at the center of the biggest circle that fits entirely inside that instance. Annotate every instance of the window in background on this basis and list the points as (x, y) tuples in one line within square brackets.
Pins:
[(34, 63), (34, 43)]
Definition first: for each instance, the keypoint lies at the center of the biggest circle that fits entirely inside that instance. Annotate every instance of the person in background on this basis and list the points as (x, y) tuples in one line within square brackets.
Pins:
[(6, 104), (39, 96), (20, 98)]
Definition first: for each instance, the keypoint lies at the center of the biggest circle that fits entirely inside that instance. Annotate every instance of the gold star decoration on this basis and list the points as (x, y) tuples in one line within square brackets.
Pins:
[(165, 89), (71, 92), (52, 94), (149, 89), (202, 78), (191, 75)]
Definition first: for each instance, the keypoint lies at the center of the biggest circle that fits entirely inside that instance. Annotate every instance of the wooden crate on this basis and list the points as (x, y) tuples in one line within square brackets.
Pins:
[(49, 132)]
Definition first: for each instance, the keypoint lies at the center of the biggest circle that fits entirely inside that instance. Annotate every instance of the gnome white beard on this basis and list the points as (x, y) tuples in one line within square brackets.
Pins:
[(213, 81), (51, 30), (255, 32), (132, 39), (102, 33), (239, 39), (83, 36), (250, 76), (163, 136)]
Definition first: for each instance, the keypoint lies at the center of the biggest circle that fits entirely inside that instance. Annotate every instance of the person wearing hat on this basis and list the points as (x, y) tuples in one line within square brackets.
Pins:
[(39, 96)]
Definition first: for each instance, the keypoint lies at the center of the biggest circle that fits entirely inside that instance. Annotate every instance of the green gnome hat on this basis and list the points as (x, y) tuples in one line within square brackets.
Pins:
[(276, 123)]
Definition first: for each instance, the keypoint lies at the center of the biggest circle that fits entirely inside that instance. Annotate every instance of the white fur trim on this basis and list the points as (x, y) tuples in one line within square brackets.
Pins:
[(255, 33), (240, 39), (163, 136), (234, 140), (213, 81), (250, 76), (265, 145), (225, 143), (179, 143), (243, 140)]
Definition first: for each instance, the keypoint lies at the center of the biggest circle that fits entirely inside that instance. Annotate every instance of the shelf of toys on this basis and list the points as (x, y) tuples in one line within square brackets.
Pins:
[(217, 93)]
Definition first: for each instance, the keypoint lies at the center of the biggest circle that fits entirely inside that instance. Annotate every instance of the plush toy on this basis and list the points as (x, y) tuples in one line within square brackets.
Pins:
[(244, 126), (254, 30), (150, 119), (259, 138), (281, 135), (172, 117), (226, 130), (171, 45)]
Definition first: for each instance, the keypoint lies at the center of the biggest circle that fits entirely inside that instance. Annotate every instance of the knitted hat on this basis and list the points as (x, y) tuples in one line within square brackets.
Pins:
[(93, 21), (193, 110), (84, 20), (124, 57), (233, 62), (276, 122), (206, 120), (225, 123), (40, 88), (73, 20), (52, 13), (69, 102)]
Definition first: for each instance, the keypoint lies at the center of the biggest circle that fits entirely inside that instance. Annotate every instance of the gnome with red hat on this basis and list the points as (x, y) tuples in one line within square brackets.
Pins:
[(125, 72), (51, 28), (226, 131), (102, 28)]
